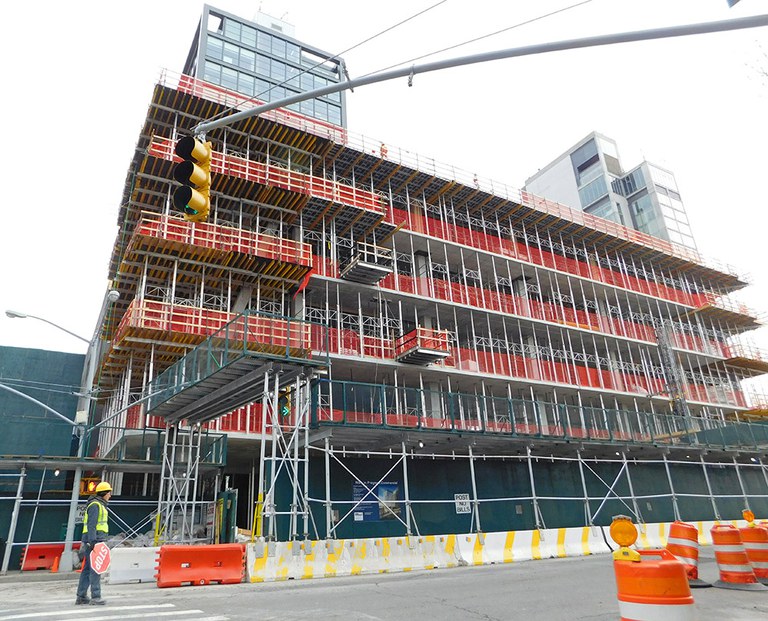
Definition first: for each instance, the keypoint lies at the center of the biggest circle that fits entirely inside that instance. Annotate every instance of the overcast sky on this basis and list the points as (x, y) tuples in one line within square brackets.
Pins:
[(78, 77)]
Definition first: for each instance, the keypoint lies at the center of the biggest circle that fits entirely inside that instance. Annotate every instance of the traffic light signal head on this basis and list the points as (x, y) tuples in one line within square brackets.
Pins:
[(193, 197)]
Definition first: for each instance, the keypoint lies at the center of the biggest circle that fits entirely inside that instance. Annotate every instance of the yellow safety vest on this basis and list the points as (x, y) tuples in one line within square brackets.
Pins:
[(101, 524)]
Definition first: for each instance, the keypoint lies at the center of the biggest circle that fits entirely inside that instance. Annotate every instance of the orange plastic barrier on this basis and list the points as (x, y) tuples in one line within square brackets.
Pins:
[(732, 561), (683, 542), (178, 565), (755, 540), (43, 555), (654, 589)]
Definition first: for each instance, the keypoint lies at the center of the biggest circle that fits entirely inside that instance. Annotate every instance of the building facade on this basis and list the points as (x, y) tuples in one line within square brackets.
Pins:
[(261, 59), (590, 176), (394, 346)]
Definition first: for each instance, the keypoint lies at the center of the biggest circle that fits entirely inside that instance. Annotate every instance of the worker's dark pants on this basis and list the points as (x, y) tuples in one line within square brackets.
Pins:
[(88, 577)]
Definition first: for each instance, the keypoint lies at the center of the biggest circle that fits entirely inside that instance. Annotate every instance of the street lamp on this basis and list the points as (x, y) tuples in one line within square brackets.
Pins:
[(17, 315), (92, 357)]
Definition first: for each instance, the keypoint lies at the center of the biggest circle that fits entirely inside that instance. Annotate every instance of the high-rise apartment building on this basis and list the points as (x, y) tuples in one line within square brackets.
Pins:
[(394, 346), (590, 176)]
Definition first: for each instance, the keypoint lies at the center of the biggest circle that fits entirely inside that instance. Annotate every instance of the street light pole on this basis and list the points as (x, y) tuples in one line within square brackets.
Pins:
[(92, 358)]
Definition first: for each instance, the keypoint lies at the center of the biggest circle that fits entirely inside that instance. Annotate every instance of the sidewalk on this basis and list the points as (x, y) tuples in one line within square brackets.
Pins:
[(41, 575)]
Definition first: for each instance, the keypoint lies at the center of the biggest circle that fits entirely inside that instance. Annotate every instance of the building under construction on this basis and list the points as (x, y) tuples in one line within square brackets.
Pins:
[(395, 346)]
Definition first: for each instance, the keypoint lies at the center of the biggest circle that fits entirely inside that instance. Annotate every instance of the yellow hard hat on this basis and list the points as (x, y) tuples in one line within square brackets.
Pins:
[(103, 487)]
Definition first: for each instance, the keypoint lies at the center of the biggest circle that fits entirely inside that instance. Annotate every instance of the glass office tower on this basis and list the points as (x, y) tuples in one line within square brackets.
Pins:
[(261, 59)]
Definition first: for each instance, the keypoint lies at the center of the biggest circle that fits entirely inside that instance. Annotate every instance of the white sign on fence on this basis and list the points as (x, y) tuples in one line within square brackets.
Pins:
[(462, 503)]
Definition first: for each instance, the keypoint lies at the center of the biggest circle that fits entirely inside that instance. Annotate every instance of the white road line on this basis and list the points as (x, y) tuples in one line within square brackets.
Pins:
[(145, 615), (82, 610)]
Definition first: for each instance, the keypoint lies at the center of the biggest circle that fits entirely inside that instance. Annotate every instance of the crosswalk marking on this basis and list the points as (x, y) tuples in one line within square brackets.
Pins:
[(84, 610)]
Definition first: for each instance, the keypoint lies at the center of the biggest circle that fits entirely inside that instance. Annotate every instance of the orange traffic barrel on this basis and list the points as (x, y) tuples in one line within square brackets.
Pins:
[(732, 561), (755, 540), (654, 589), (683, 542)]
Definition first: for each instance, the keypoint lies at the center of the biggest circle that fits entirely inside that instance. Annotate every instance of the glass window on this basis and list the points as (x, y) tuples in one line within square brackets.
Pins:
[(248, 36), (247, 60), (334, 115), (593, 191), (292, 52), (307, 82), (321, 109), (212, 73), (229, 78), (604, 209), (292, 76), (264, 42), (215, 48), (588, 174), (277, 70), (231, 54), (278, 47), (262, 88), (246, 84), (307, 107), (584, 154), (262, 65), (232, 29)]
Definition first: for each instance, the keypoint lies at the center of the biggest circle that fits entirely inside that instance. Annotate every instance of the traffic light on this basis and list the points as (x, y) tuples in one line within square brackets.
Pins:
[(193, 197), (88, 486)]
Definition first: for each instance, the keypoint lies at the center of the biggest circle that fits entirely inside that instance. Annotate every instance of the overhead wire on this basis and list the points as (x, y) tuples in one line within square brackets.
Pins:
[(334, 57), (480, 38)]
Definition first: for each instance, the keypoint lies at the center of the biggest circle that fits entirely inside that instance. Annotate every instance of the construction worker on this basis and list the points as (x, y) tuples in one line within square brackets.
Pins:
[(95, 529)]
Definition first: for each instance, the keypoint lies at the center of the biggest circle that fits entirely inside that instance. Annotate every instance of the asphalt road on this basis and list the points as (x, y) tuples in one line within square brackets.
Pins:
[(552, 590)]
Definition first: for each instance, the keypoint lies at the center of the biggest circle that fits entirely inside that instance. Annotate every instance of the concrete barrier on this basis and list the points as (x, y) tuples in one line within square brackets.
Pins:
[(344, 557), (132, 565)]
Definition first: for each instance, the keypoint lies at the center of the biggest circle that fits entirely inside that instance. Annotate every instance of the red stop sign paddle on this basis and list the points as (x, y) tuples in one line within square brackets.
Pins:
[(100, 558)]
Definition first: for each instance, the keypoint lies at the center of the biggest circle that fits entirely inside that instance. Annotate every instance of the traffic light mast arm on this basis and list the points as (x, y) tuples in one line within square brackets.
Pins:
[(754, 21)]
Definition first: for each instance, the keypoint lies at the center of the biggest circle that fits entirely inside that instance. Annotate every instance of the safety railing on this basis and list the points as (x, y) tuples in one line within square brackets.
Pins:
[(377, 405), (250, 334), (276, 176), (225, 238), (423, 338)]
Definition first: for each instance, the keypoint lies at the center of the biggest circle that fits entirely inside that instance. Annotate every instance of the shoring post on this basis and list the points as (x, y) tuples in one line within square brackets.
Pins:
[(307, 410), (675, 507), (475, 500), (259, 514), (587, 512), (328, 509), (709, 487), (406, 492), (536, 509), (14, 521), (632, 491), (741, 483), (275, 422)]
